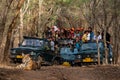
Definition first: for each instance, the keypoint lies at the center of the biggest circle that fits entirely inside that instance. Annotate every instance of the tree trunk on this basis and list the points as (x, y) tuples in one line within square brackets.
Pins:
[(21, 25), (98, 52), (105, 30), (40, 30), (3, 27), (22, 13), (9, 33), (116, 33)]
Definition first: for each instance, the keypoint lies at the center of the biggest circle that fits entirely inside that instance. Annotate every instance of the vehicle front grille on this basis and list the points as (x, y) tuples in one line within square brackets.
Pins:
[(88, 55)]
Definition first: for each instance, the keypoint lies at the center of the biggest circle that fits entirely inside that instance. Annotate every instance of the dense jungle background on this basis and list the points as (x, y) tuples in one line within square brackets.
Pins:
[(20, 18)]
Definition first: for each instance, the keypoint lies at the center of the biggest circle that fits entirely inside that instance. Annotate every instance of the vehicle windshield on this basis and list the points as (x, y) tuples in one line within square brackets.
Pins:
[(66, 51), (91, 46), (32, 42)]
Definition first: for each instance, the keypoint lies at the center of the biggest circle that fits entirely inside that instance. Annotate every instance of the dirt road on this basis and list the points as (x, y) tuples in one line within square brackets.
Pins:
[(64, 73)]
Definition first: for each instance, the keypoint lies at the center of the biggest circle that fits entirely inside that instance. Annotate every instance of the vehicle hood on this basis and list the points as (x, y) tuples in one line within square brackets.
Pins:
[(27, 48), (88, 52)]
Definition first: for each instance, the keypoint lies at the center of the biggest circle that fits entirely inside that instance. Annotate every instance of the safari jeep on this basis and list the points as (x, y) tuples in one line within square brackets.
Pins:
[(67, 51), (38, 50), (88, 53)]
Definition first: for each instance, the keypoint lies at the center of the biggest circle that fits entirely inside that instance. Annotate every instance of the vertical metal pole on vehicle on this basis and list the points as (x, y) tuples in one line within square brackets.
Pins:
[(98, 49)]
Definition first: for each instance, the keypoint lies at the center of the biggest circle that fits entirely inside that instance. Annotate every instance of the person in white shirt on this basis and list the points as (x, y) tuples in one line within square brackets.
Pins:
[(52, 44), (97, 36), (88, 36)]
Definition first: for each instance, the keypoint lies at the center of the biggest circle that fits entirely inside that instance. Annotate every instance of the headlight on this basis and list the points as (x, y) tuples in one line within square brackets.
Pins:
[(78, 56), (110, 59), (96, 55), (32, 53)]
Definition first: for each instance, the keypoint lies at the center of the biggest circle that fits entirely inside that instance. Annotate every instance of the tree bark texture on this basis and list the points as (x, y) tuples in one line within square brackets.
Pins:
[(9, 33)]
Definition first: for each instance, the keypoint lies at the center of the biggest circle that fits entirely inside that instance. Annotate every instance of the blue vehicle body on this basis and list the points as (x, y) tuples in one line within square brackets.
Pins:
[(37, 48), (68, 55), (89, 53)]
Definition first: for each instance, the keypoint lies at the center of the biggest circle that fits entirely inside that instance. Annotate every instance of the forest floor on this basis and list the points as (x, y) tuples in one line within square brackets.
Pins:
[(63, 73)]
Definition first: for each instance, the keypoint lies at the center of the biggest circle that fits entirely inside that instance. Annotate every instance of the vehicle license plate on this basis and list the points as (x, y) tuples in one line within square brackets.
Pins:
[(87, 60), (19, 56)]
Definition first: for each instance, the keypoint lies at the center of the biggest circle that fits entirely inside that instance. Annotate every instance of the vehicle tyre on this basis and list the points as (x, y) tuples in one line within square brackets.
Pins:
[(101, 62), (80, 64), (39, 62)]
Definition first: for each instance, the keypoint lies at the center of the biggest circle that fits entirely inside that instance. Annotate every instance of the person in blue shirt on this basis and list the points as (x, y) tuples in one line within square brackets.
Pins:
[(91, 34), (77, 43)]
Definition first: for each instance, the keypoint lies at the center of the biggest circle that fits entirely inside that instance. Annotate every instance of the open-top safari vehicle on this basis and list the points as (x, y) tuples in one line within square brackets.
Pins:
[(88, 53), (37, 48)]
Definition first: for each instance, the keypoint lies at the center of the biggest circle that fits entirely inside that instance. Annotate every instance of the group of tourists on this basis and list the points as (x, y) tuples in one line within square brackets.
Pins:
[(54, 33)]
